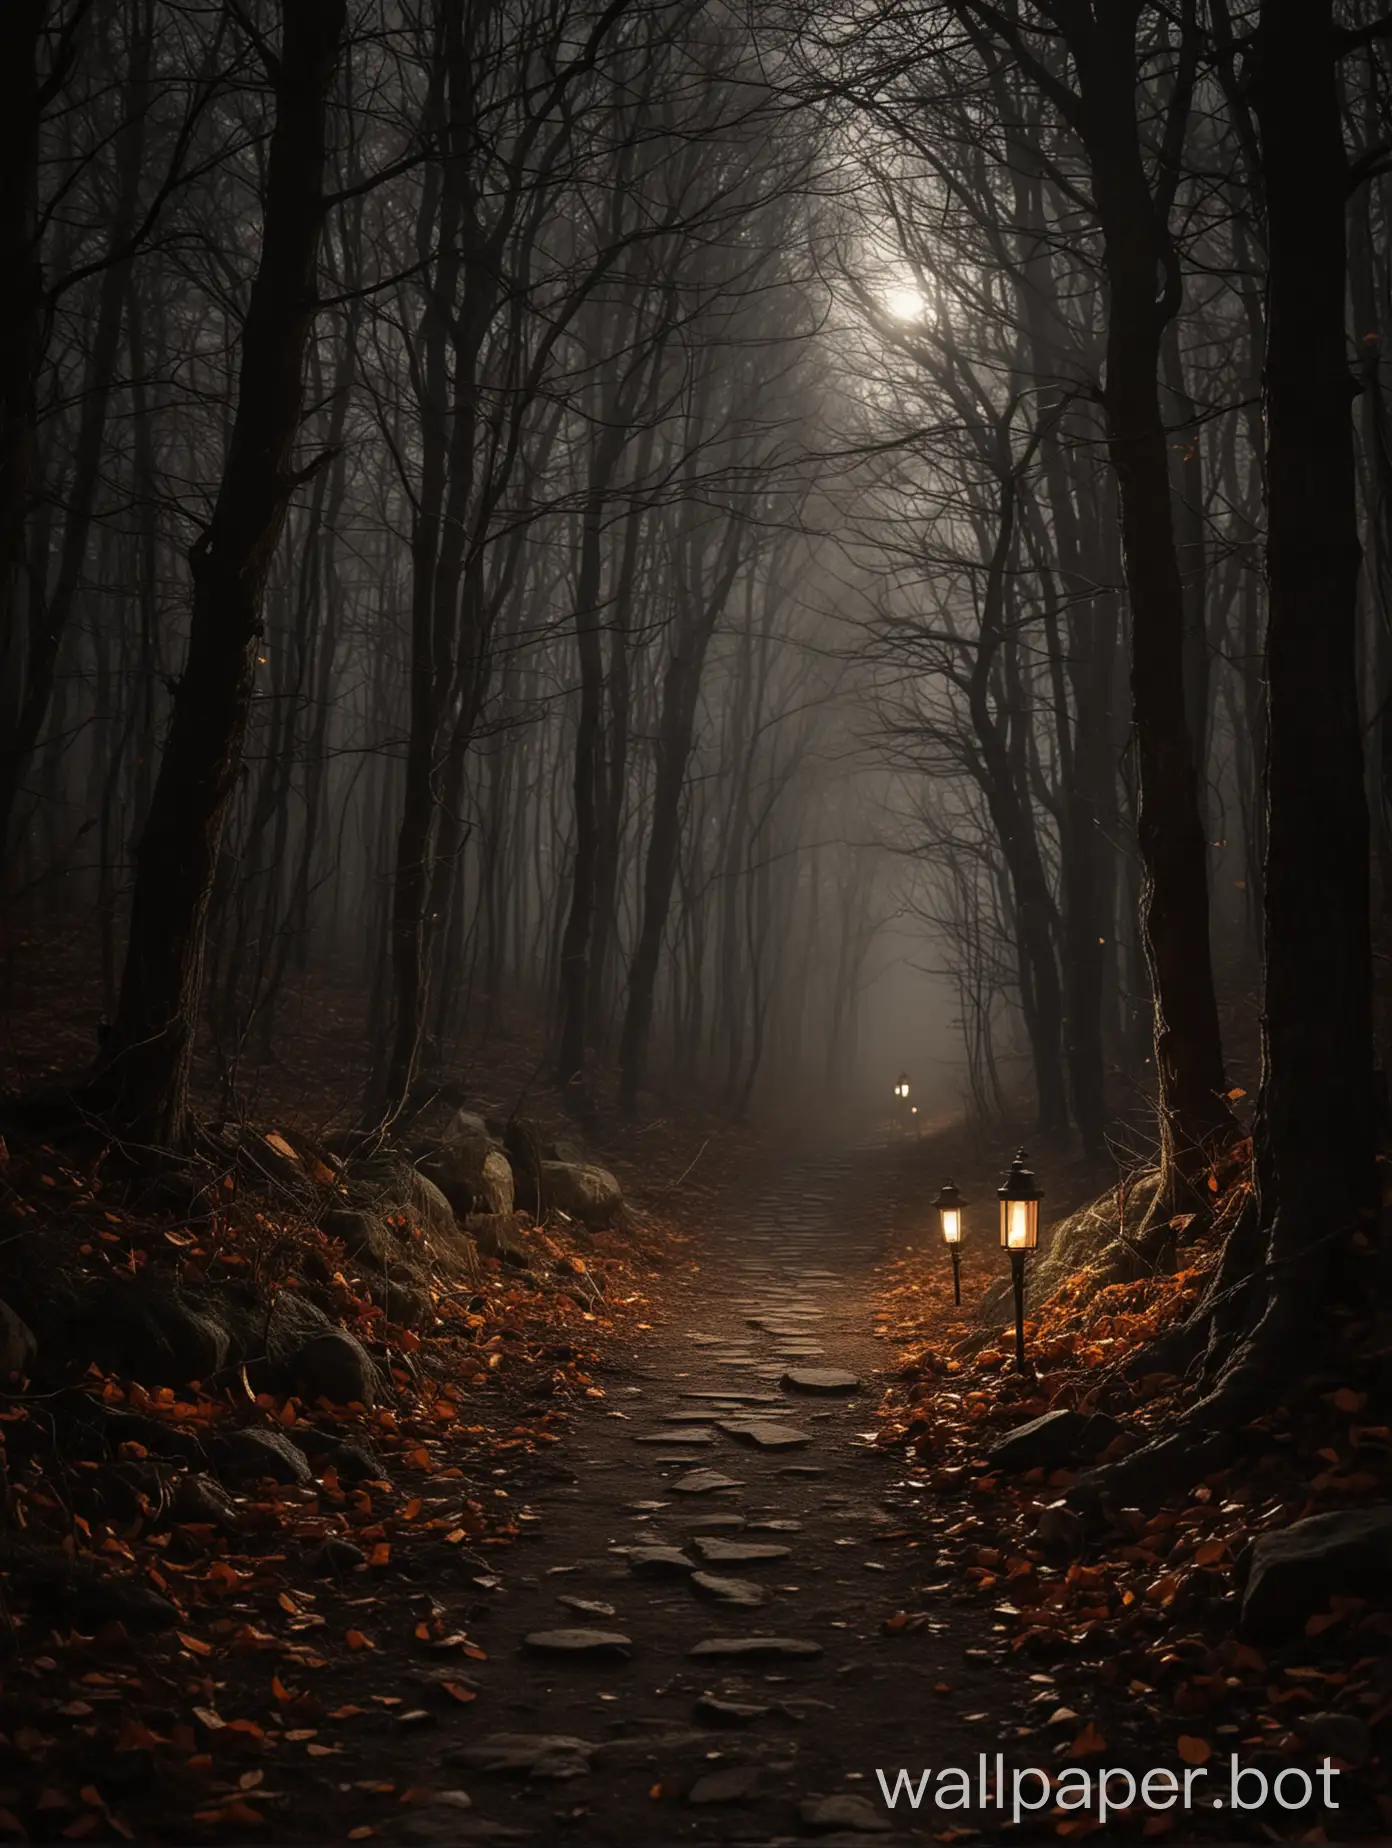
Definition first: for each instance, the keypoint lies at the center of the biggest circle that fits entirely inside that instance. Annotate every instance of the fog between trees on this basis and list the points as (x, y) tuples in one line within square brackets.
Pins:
[(680, 520)]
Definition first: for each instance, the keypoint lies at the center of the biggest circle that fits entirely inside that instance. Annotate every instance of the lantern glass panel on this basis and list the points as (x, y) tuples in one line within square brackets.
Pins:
[(1019, 1224), (952, 1224)]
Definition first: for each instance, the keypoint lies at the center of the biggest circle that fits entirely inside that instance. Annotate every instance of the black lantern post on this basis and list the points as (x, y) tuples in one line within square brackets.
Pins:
[(1019, 1234), (949, 1204)]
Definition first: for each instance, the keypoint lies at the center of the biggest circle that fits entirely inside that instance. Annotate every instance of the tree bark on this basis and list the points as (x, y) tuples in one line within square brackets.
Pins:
[(54, 611), (143, 1083), (1194, 1115), (21, 333), (1316, 1131)]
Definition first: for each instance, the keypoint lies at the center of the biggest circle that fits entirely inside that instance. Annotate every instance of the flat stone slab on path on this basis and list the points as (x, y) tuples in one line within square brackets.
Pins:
[(579, 1642), (717, 1552), (756, 1648), (732, 1784), (820, 1379), (704, 1482), (714, 1711), (553, 1755), (731, 1397), (700, 1435), (743, 1593), (659, 1562), (823, 1815), (766, 1433), (587, 1607), (716, 1524)]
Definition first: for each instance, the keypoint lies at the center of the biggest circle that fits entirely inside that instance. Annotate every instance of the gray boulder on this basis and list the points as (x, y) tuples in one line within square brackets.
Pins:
[(150, 1330), (1296, 1570), (353, 1462), (585, 1192), (202, 1501), (459, 1164), (407, 1304), (252, 1455), (496, 1189), (393, 1188), (365, 1234), (1055, 1441), (18, 1347), (497, 1236), (334, 1366)]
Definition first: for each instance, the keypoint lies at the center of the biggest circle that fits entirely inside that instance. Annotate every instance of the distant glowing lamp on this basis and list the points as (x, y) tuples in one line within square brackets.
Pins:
[(949, 1204), (1019, 1234), (901, 1086)]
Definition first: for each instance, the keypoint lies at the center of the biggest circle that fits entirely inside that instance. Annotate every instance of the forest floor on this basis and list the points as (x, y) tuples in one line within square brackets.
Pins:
[(874, 1613)]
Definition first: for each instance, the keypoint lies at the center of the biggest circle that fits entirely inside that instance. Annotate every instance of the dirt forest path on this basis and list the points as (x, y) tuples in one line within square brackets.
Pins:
[(746, 1543)]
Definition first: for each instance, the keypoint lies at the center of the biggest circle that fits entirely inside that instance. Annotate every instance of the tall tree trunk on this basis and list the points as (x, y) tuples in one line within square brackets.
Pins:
[(1316, 1134), (21, 335), (144, 1079), (46, 635), (1194, 1115), (575, 944)]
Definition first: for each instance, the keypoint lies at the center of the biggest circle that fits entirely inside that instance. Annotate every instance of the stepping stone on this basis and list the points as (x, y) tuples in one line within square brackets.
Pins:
[(820, 1379), (683, 1459), (811, 1352), (774, 1527), (734, 1784), (552, 1755), (858, 1815), (802, 1469), (690, 1418), (779, 1330), (699, 1436), (587, 1607), (731, 1397), (766, 1433), (704, 1482), (717, 1552), (741, 1592), (756, 1648), (716, 1712), (716, 1524), (659, 1562), (647, 1507), (579, 1642)]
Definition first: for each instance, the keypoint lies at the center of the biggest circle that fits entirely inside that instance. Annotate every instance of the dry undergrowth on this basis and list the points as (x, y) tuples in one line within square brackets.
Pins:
[(1136, 1625)]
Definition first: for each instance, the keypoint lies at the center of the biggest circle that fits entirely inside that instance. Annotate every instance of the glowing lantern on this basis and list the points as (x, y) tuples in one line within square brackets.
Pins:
[(949, 1204), (1019, 1234)]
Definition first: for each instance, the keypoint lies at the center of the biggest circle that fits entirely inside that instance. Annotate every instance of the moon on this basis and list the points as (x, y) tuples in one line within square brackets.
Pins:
[(905, 303)]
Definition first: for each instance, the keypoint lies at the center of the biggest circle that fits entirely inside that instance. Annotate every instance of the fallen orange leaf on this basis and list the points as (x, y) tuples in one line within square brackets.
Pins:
[(1089, 1740)]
